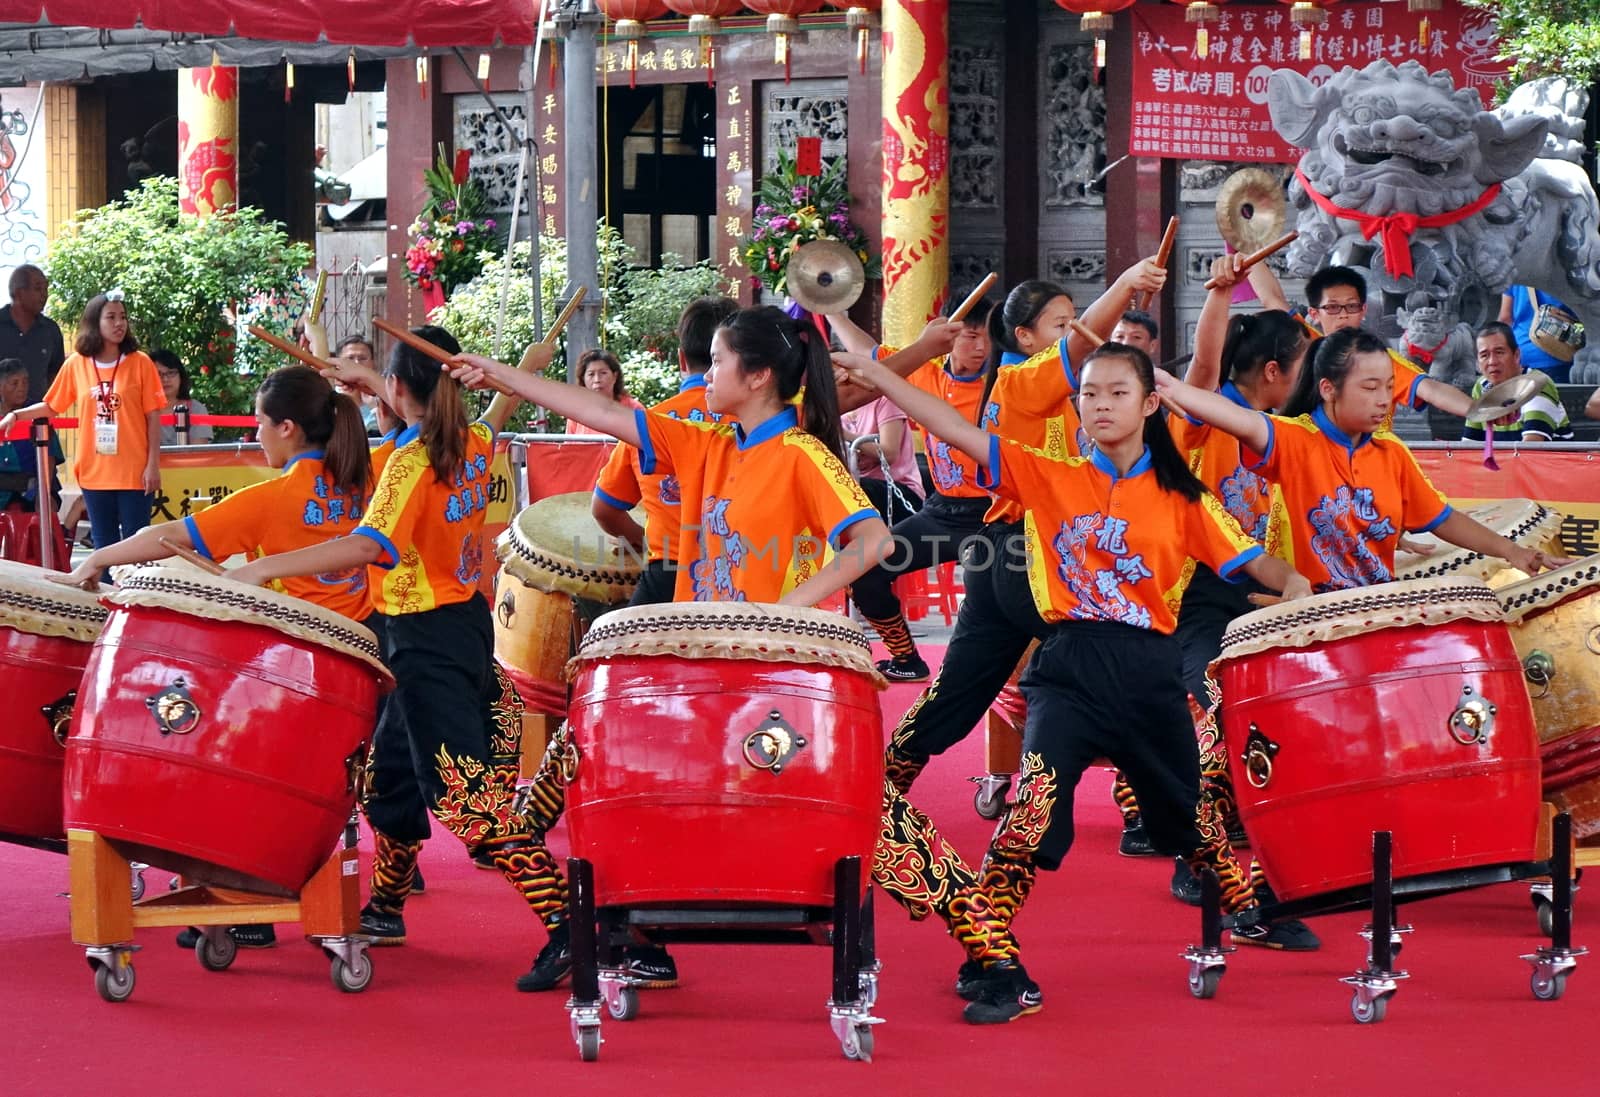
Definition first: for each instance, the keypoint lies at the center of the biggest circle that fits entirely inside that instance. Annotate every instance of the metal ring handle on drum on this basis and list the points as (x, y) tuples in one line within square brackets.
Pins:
[(58, 715), (1592, 640), (1540, 669), (174, 710), (771, 745), (1257, 756), (1472, 722)]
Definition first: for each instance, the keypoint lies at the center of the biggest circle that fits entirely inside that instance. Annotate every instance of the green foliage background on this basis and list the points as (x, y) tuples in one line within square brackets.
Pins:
[(1548, 38), (639, 323), (179, 274)]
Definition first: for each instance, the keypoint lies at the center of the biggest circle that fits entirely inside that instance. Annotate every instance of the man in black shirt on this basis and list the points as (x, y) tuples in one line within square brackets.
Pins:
[(26, 333)]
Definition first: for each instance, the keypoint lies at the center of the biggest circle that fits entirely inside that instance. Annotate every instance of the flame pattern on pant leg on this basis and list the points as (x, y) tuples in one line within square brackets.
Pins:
[(895, 634), (531, 869), (472, 805), (1126, 801), (1215, 783), (901, 770), (912, 862), (505, 732), (394, 871), (545, 797), (1008, 880), (1211, 819), (1025, 822)]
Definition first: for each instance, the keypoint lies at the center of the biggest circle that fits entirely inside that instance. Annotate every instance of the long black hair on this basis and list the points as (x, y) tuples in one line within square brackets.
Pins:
[(443, 429), (1330, 359), (329, 419), (768, 338), (1172, 471), (1020, 309), (1256, 338)]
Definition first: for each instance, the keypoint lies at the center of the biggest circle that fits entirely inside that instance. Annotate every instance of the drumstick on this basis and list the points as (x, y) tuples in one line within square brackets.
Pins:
[(289, 348), (1168, 238), (1256, 256), (566, 314), (501, 404), (1084, 331), (1264, 599), (314, 314), (416, 343), (192, 556), (974, 297)]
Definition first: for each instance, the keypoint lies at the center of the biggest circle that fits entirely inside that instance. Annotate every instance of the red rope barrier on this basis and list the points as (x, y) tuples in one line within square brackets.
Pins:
[(21, 432)]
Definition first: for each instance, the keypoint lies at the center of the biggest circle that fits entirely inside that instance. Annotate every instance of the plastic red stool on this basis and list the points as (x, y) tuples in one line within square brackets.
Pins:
[(912, 589), (945, 589)]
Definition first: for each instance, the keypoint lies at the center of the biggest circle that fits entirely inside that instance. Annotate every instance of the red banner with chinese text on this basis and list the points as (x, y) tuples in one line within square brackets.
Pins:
[(1216, 108), (1568, 481)]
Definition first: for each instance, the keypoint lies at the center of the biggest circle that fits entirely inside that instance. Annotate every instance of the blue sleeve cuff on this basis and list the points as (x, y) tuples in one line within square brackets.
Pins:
[(613, 501), (858, 516), (876, 352), (1272, 441), (1230, 570), (196, 540), (1433, 525), (647, 449), (1066, 366), (989, 474), (384, 543), (1413, 400)]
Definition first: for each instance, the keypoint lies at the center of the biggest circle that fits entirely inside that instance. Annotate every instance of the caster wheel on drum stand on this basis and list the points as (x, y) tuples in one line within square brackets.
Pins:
[(114, 982), (857, 1044), (351, 976), (589, 1043), (216, 949), (990, 799), (1545, 911), (1203, 984), (1548, 988), (624, 1005), (1368, 1012), (136, 887)]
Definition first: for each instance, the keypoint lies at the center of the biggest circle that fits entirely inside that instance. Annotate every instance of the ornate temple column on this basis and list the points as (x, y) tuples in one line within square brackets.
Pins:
[(916, 165), (208, 139)]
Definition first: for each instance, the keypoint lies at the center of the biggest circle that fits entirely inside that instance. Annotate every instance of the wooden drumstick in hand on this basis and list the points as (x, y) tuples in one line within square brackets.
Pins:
[(1163, 254), (1257, 256), (974, 297), (289, 348), (1084, 331), (415, 342), (500, 407), (192, 557)]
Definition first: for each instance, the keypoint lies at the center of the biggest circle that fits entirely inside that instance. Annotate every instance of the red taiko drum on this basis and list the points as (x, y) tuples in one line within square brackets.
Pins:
[(1396, 707), (222, 729), (1555, 623), (726, 753), (46, 631)]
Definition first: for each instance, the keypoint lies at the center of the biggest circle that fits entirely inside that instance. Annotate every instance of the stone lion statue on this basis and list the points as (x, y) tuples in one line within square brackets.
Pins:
[(1408, 177)]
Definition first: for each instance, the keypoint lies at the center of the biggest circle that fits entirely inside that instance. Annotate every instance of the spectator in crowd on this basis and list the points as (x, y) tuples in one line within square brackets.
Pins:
[(27, 334), (1518, 308), (599, 371), (175, 383)]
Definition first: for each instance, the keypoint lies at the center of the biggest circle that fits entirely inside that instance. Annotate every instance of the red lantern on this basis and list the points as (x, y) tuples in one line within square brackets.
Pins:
[(1199, 13), (1424, 27), (629, 17), (783, 20), (860, 16), (1095, 18), (705, 20), (1308, 15)]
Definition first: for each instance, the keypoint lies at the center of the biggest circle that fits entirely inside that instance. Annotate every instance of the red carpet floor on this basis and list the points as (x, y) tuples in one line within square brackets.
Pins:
[(1102, 937)]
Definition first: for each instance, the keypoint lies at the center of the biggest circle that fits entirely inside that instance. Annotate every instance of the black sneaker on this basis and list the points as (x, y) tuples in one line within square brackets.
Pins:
[(188, 938), (1289, 935), (262, 936), (1185, 884), (911, 669), (969, 980), (1135, 842), (418, 886), (650, 967), (383, 929), (1007, 994), (552, 965)]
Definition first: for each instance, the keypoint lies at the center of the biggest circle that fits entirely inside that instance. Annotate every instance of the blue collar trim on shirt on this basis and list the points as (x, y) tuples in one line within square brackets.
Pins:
[(307, 455), (773, 427), (1231, 391), (1103, 463), (693, 381), (1011, 358), (1333, 433), (962, 378), (409, 435)]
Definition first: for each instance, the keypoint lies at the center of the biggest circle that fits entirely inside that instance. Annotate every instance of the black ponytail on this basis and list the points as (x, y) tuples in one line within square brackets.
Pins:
[(443, 429), (768, 338), (1254, 339), (1020, 309), (1172, 471), (328, 419), (1330, 359)]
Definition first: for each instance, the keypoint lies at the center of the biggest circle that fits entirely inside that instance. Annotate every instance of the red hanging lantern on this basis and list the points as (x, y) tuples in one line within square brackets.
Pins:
[(629, 17), (860, 16), (1095, 19), (1424, 27), (783, 20), (1308, 15), (705, 20), (1199, 13)]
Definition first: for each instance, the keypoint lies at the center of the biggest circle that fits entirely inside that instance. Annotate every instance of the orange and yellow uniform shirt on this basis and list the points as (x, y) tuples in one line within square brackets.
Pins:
[(1217, 459), (1103, 546), (955, 475), (119, 396), (1408, 378), (621, 484), (298, 508), (431, 532), (1031, 403), (762, 510), (1348, 499)]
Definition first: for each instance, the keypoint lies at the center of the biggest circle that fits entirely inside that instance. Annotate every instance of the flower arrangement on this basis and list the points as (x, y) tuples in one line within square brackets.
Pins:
[(792, 209), (451, 238)]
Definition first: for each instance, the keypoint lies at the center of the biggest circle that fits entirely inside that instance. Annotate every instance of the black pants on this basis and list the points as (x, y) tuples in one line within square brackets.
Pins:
[(657, 582), (1209, 603), (1098, 689), (883, 493), (934, 535), (994, 626), (431, 751)]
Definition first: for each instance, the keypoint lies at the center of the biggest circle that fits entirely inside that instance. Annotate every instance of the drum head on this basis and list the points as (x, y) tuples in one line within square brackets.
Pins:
[(1549, 589), (30, 602), (555, 545), (1524, 521), (730, 630), (1342, 613)]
